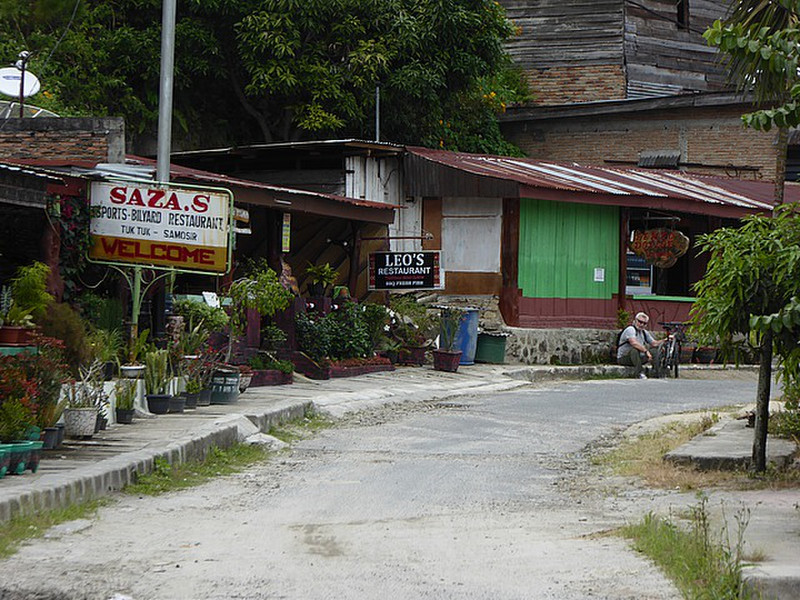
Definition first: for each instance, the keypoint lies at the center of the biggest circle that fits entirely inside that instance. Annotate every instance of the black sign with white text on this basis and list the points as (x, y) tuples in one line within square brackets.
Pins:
[(404, 271)]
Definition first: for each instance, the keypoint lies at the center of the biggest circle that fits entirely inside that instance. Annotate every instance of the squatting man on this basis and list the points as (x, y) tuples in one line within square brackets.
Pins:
[(634, 345)]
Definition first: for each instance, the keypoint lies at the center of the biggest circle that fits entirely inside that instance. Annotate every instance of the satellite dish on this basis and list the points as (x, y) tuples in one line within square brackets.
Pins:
[(10, 79)]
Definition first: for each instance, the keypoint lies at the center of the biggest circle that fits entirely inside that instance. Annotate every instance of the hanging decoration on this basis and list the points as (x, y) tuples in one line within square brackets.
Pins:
[(659, 247)]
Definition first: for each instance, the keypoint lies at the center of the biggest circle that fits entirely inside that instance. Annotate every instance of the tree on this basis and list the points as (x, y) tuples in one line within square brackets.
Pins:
[(761, 40), (273, 70), (747, 294)]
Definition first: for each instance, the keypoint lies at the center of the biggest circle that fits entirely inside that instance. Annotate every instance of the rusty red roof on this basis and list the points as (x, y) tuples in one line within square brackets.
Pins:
[(571, 182)]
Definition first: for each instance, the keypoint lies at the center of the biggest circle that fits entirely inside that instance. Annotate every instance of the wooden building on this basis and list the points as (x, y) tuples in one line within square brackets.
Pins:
[(585, 51)]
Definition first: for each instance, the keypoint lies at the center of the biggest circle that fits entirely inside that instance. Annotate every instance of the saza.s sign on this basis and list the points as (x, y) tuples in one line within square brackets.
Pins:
[(404, 271), (160, 225)]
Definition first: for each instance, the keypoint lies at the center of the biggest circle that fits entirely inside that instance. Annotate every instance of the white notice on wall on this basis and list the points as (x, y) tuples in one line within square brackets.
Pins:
[(599, 274)]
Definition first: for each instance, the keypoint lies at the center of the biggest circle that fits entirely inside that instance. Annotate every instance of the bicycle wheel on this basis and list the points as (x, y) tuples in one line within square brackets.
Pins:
[(668, 359), (676, 357), (663, 361)]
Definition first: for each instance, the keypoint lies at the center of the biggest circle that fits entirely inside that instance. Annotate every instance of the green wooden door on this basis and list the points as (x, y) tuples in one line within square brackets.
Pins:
[(563, 246)]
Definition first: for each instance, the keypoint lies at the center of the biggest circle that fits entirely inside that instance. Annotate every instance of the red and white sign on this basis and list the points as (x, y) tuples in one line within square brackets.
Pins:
[(160, 225)]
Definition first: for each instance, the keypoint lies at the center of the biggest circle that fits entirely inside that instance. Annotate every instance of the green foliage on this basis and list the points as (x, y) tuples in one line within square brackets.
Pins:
[(752, 270), (106, 345), (351, 338), (624, 318), (34, 525), (166, 478), (314, 335), (323, 275), (259, 290), (761, 41), (15, 419), (103, 313), (411, 323), (263, 361), (89, 390), (63, 323), (278, 69), (137, 346), (195, 313), (701, 564), (29, 289), (125, 393), (450, 320), (376, 321), (157, 372), (272, 337)]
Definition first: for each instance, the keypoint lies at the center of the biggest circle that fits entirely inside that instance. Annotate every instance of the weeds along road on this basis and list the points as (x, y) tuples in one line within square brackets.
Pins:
[(482, 497)]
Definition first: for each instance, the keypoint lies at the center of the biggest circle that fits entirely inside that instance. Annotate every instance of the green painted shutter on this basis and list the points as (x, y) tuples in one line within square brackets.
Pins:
[(560, 246)]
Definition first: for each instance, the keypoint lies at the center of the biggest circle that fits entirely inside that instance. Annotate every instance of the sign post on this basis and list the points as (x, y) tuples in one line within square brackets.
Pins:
[(175, 228)]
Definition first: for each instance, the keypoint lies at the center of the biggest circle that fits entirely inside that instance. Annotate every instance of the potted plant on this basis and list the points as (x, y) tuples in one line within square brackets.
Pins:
[(319, 278), (125, 396), (445, 358), (106, 345), (132, 369), (13, 319), (84, 398), (259, 290), (194, 386), (412, 326), (157, 376)]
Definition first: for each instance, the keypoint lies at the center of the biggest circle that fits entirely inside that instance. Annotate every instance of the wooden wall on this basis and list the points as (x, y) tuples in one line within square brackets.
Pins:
[(663, 56), (591, 50)]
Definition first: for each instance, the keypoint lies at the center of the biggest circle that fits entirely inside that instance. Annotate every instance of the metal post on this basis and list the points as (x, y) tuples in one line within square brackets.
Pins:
[(378, 113), (21, 64), (165, 91), (136, 305)]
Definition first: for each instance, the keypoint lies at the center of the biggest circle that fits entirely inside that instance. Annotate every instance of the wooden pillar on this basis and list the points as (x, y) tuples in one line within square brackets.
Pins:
[(355, 259), (51, 256), (624, 218), (509, 262)]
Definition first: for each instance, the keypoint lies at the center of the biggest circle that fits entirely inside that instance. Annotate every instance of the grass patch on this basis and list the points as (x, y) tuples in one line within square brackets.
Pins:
[(702, 565), (302, 428), (167, 478), (643, 456), (20, 529)]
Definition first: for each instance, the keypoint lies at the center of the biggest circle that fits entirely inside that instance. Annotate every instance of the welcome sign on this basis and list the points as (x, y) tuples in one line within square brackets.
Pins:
[(160, 225)]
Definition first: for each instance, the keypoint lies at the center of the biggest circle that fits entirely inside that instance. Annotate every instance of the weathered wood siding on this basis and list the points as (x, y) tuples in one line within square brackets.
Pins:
[(590, 50), (571, 50), (665, 57)]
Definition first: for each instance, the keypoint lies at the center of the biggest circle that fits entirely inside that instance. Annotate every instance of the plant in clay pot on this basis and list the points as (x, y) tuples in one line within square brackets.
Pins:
[(132, 369), (445, 358), (413, 327)]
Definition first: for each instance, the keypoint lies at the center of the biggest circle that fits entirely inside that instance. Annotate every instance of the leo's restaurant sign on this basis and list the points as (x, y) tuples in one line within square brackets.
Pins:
[(159, 225)]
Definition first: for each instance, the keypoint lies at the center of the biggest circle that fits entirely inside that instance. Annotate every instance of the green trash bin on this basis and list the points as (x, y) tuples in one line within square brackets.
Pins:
[(491, 348)]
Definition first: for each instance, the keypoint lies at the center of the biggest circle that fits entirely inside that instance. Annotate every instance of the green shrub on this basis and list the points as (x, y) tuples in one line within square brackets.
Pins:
[(15, 420), (193, 312), (314, 335), (62, 322)]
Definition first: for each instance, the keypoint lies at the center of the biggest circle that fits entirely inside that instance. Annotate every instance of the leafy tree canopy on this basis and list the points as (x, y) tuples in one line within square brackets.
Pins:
[(273, 70), (761, 40)]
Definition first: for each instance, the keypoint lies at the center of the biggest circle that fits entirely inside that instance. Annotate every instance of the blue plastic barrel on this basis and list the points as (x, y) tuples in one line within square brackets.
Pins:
[(467, 337)]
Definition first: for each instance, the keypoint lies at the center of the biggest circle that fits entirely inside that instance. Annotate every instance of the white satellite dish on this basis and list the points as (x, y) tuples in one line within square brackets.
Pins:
[(11, 78)]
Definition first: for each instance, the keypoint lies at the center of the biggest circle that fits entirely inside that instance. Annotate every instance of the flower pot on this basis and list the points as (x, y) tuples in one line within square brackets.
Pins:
[(244, 381), (225, 387), (5, 460), (18, 456), (109, 370), (11, 335), (80, 422), (177, 403), (34, 456), (204, 399), (444, 360), (50, 438), (61, 433), (191, 400), (100, 423), (125, 415), (131, 371), (158, 404), (412, 356)]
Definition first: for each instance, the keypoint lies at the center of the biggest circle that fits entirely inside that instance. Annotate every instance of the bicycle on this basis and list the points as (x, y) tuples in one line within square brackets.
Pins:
[(671, 351)]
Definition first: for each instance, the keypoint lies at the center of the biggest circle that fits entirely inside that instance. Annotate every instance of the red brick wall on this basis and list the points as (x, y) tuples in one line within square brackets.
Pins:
[(711, 139), (584, 83), (97, 140)]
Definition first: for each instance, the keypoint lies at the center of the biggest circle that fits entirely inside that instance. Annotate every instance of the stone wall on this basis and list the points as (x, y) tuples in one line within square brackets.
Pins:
[(560, 346), (69, 139)]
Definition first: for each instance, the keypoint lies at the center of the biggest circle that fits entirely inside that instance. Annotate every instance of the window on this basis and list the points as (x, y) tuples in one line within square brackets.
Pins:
[(683, 14)]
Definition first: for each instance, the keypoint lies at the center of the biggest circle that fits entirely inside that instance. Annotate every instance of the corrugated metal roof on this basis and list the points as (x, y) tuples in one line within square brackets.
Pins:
[(647, 188)]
